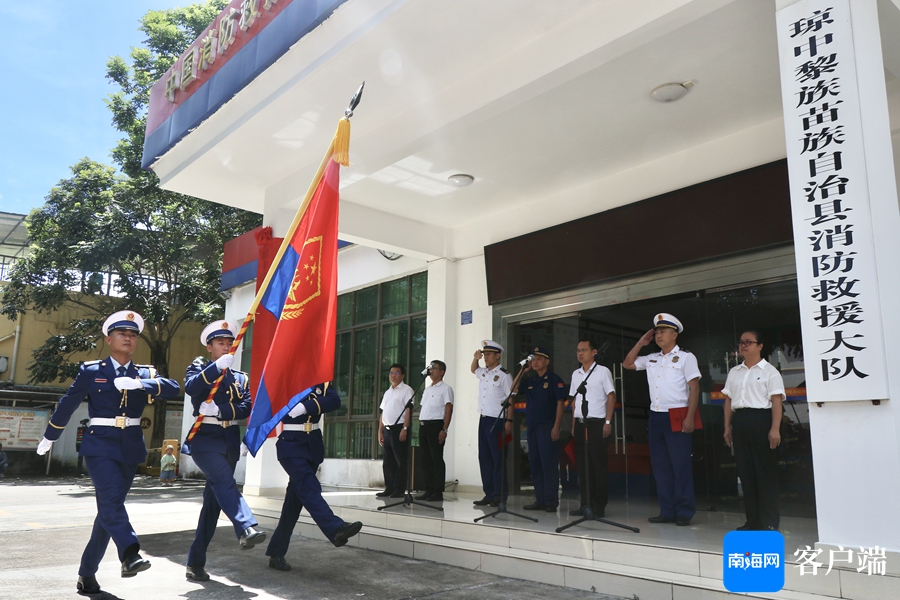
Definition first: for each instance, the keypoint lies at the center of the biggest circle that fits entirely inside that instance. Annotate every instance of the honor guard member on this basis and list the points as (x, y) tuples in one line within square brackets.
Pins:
[(754, 396), (300, 451), (673, 378), (434, 424), (545, 396), (116, 391), (600, 395), (494, 387), (216, 448)]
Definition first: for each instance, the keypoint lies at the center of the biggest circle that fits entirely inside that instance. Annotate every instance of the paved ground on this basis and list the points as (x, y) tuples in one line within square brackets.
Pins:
[(45, 523)]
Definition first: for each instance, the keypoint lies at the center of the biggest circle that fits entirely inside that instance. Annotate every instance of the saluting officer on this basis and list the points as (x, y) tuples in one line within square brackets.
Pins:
[(300, 451), (216, 447), (545, 396), (494, 386), (117, 391), (673, 378)]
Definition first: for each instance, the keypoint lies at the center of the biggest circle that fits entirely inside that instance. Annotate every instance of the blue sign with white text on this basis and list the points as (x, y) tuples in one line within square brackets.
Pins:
[(753, 561)]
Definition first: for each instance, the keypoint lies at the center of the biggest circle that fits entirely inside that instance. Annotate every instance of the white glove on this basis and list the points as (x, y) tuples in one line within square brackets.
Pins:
[(127, 383), (225, 361), (297, 411), (209, 409), (244, 449), (44, 446)]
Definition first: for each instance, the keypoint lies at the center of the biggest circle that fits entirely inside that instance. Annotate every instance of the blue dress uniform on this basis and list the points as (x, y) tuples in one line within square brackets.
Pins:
[(300, 451), (542, 397), (113, 445), (216, 450)]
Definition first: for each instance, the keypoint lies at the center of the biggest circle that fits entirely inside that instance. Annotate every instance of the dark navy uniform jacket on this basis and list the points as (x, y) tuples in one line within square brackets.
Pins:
[(232, 398), (94, 382), (542, 395), (308, 445)]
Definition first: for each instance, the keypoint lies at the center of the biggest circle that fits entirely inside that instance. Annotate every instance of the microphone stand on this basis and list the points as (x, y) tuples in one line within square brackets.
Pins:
[(408, 497), (588, 511), (501, 418)]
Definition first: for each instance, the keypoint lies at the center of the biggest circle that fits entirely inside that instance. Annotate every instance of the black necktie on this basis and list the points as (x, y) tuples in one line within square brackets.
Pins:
[(120, 371)]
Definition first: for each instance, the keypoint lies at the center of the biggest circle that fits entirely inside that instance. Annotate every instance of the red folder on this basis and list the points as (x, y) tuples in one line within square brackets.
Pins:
[(678, 415)]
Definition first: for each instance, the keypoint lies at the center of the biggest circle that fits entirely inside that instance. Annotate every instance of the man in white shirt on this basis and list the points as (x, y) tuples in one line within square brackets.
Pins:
[(434, 424), (591, 425), (391, 437), (494, 387), (673, 378), (754, 392)]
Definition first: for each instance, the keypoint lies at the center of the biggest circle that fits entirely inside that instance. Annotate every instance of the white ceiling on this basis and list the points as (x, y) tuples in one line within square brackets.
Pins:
[(529, 97)]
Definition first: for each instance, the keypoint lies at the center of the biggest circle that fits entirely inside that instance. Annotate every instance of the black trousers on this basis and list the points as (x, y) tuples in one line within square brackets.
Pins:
[(757, 465), (597, 463), (394, 463), (433, 466)]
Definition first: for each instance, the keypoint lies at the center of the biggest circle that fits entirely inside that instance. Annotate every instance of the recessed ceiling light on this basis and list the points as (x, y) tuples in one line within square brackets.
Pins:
[(670, 92), (461, 180)]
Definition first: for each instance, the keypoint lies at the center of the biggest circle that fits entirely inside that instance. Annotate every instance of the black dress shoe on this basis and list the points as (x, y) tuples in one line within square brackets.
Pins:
[(435, 498), (423, 496), (383, 494), (87, 584), (278, 563), (682, 521), (483, 502), (251, 537), (398, 494), (345, 532), (661, 519), (551, 509), (134, 564), (535, 506), (196, 574), (746, 527), (495, 503), (579, 512)]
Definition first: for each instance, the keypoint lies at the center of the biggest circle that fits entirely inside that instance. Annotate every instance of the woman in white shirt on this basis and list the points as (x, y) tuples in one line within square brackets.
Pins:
[(754, 393)]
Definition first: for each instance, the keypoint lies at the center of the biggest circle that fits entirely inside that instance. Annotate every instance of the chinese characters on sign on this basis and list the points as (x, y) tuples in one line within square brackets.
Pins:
[(872, 561), (840, 309), (236, 18)]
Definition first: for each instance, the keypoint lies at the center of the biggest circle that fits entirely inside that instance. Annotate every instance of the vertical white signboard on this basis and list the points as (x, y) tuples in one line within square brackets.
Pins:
[(839, 305)]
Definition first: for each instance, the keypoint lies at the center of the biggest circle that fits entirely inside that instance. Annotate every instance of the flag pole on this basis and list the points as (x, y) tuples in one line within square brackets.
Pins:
[(338, 150)]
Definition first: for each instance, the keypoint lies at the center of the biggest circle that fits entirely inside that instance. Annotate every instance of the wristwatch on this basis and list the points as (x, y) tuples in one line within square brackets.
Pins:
[(404, 428), (607, 422), (445, 430)]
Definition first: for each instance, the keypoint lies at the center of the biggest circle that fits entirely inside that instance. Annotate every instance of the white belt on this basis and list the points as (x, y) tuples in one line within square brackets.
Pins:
[(217, 421), (120, 422), (306, 427)]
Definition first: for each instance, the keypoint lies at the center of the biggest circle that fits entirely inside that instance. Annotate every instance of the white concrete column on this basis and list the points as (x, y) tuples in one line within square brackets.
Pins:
[(440, 343), (470, 294), (264, 475), (856, 454)]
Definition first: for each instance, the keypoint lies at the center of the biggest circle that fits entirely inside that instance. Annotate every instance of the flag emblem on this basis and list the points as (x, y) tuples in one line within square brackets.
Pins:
[(307, 282)]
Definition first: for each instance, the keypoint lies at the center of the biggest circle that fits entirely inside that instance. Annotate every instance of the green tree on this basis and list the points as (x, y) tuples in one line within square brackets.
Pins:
[(162, 251)]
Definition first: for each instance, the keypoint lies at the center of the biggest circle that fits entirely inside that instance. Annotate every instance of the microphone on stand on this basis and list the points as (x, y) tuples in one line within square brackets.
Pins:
[(427, 369), (527, 359)]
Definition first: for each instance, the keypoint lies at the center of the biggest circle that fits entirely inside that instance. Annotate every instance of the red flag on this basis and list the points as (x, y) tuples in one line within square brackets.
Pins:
[(301, 298)]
